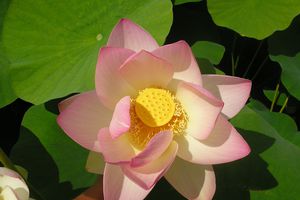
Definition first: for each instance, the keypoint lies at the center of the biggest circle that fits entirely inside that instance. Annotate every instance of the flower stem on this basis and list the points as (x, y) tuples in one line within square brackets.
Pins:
[(6, 161), (232, 55), (284, 104), (260, 67), (236, 62), (232, 65), (253, 58), (274, 97), (9, 164)]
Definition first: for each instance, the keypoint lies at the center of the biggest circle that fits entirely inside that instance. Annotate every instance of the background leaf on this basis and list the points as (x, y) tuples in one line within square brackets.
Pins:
[(178, 2), (208, 50), (283, 123), (284, 48), (290, 72), (208, 54), (207, 68), (53, 45), (254, 18), (6, 92), (270, 95), (267, 173), (55, 163)]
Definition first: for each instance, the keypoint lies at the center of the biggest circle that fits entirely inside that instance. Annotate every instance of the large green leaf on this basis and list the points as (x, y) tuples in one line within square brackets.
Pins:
[(272, 167), (285, 49), (178, 2), (254, 18), (6, 92), (55, 164), (283, 123), (290, 72), (53, 45)]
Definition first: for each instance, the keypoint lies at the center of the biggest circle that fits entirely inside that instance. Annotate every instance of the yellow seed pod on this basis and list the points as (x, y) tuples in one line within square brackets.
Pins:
[(155, 107)]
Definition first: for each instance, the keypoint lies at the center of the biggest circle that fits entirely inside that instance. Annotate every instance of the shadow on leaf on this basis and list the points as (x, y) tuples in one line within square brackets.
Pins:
[(236, 179), (163, 190), (43, 173)]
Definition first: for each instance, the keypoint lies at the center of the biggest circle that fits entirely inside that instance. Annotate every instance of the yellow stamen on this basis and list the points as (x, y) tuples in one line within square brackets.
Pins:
[(155, 110), (154, 106)]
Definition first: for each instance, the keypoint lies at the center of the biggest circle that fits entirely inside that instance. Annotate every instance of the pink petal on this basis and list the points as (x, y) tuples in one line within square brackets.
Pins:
[(120, 122), (180, 55), (148, 175), (202, 109), (83, 119), (233, 91), (223, 145), (154, 149), (145, 70), (65, 103), (115, 150), (127, 34), (110, 86), (191, 180), (95, 163), (116, 186)]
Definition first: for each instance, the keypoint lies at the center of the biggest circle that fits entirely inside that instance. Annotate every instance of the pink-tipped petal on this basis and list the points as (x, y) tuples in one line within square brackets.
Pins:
[(148, 175), (233, 91), (180, 55), (120, 122), (110, 86), (202, 109), (223, 145), (191, 180), (145, 70), (116, 186), (117, 150), (95, 163), (154, 149), (127, 34), (83, 119), (65, 103)]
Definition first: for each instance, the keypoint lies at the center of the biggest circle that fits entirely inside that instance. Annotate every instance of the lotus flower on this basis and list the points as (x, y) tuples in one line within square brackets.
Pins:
[(153, 114), (12, 186)]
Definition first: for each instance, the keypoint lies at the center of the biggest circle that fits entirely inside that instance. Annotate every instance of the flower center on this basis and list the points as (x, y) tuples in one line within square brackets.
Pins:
[(154, 106), (152, 111)]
